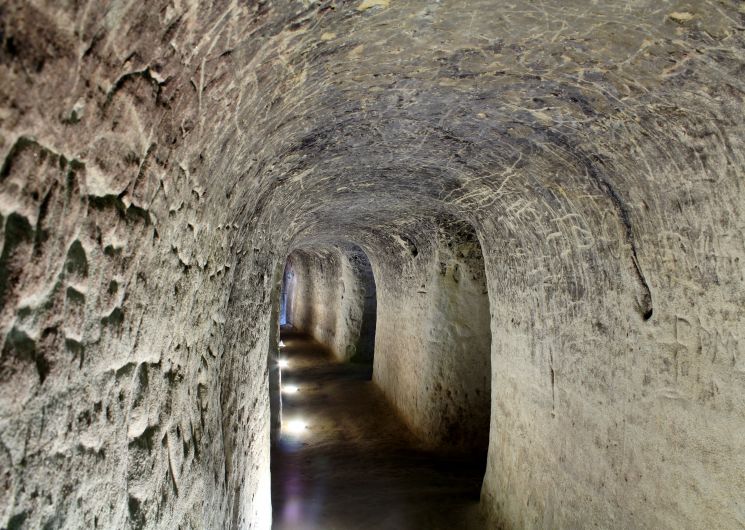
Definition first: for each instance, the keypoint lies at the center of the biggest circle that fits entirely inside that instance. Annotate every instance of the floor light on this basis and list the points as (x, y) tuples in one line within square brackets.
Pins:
[(296, 426)]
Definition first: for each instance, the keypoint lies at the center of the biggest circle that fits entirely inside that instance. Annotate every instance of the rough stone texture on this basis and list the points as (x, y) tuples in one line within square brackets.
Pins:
[(433, 340), (159, 160), (330, 294)]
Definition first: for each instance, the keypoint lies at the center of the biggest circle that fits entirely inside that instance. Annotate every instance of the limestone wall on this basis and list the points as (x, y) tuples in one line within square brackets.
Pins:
[(132, 382)]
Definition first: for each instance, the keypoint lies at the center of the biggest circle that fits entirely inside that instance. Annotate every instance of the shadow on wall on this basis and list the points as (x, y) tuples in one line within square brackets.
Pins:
[(330, 294)]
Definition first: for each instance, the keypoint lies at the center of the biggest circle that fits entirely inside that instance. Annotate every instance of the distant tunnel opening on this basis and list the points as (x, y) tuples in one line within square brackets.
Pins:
[(330, 294)]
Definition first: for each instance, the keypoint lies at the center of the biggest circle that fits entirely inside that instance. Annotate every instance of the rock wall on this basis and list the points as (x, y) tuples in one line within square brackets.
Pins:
[(331, 296), (432, 349), (158, 160), (125, 365)]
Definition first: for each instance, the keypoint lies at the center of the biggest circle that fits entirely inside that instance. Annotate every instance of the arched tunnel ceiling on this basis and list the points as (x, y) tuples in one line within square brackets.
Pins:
[(417, 107), (347, 111)]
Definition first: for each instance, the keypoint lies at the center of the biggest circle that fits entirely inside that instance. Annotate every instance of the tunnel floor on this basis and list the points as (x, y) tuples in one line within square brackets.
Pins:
[(357, 466)]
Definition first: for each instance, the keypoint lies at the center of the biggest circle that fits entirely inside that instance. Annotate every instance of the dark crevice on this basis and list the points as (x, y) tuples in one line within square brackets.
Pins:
[(645, 304), (590, 163), (553, 382)]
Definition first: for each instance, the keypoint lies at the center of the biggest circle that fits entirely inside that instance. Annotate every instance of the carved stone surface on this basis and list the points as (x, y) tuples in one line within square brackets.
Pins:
[(159, 159)]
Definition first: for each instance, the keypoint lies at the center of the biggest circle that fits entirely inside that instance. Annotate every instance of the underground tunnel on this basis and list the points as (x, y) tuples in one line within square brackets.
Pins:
[(501, 245), (342, 452)]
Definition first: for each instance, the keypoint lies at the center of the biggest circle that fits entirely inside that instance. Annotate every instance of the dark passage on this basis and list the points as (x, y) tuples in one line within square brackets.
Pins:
[(356, 465)]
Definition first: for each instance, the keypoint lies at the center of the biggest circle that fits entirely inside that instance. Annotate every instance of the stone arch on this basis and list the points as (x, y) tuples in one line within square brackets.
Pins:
[(331, 295)]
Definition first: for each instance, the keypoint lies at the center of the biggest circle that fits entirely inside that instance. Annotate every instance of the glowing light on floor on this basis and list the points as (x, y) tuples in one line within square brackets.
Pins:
[(283, 363), (290, 389), (296, 426)]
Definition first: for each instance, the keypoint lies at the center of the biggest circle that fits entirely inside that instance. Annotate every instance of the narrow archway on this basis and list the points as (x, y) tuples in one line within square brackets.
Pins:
[(412, 441), (330, 294)]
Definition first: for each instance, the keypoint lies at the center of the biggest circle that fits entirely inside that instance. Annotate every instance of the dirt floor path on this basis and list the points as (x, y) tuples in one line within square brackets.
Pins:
[(356, 466)]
